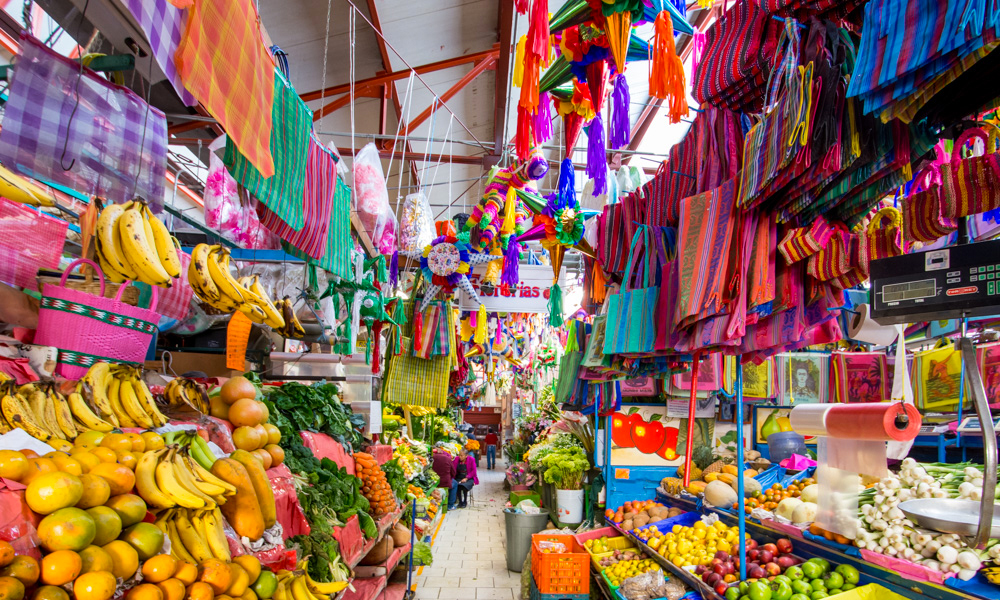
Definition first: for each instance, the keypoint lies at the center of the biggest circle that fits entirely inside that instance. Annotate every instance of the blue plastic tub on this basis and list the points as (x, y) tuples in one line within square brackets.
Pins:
[(685, 520)]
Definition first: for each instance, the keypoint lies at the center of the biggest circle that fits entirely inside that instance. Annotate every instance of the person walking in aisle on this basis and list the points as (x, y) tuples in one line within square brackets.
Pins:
[(491, 442), (465, 475), (444, 466)]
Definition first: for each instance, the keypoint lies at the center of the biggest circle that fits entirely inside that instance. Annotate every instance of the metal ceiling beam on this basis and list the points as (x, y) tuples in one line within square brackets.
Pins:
[(379, 80), (439, 101), (431, 158), (505, 36)]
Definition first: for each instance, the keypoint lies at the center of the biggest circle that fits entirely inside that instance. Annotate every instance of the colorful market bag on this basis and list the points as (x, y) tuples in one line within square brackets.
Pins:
[(883, 238), (976, 179), (88, 329), (859, 377), (926, 209), (802, 242), (630, 327), (937, 375), (417, 381)]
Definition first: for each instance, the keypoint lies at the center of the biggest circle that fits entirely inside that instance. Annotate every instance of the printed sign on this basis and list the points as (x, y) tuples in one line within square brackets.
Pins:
[(531, 295)]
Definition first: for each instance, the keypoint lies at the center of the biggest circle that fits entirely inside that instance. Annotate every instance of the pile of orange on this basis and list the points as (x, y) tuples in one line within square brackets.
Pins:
[(632, 506), (771, 497)]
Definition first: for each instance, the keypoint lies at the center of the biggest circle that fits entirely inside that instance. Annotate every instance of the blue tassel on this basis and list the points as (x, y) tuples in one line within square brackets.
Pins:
[(567, 185)]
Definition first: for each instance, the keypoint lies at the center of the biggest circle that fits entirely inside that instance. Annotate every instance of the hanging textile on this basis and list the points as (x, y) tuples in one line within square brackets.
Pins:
[(290, 129), (417, 381), (163, 23), (859, 377), (80, 131), (337, 257), (223, 63)]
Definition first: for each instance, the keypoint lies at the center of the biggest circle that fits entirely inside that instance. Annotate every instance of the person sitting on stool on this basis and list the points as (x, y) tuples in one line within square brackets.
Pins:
[(491, 442), (444, 466), (465, 475)]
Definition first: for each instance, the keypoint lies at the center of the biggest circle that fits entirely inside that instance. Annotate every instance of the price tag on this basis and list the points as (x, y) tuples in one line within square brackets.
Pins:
[(621, 473), (237, 338)]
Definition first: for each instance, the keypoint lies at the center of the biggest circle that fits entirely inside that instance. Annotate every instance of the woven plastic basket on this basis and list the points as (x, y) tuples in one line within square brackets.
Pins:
[(88, 328), (88, 282)]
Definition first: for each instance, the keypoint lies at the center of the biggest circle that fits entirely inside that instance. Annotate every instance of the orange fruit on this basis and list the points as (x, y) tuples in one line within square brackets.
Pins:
[(119, 477), (124, 557), (186, 572), (200, 590), (217, 574), (87, 459), (6, 553), (246, 438), (236, 388), (153, 440), (146, 538), (99, 585), (109, 524), (131, 508), (38, 466), (246, 411), (273, 433), (264, 457), (250, 564), (240, 580), (49, 492), (61, 567), (119, 442), (94, 558), (67, 529), (11, 589), (13, 464), (159, 568), (107, 455), (128, 459), (277, 454), (68, 464), (23, 568), (145, 591), (218, 408), (172, 589), (263, 435), (50, 592), (96, 491), (88, 440), (265, 410), (29, 453), (138, 444), (248, 595)]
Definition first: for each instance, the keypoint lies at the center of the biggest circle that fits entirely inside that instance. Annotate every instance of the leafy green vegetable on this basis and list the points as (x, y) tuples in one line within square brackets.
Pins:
[(317, 408), (325, 563), (422, 554), (368, 526), (396, 477), (427, 481), (565, 468)]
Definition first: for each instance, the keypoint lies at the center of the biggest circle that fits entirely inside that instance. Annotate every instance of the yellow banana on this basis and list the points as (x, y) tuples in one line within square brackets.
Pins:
[(110, 272), (130, 402), (146, 400), (164, 244), (18, 414), (97, 380), (205, 487), (138, 249), (177, 548), (282, 592), (145, 480), (114, 397), (253, 312), (218, 268), (324, 588), (166, 480), (193, 542), (198, 274), (64, 416), (300, 591), (109, 242), (17, 188), (215, 535), (85, 415), (44, 411), (206, 480), (183, 476), (274, 318)]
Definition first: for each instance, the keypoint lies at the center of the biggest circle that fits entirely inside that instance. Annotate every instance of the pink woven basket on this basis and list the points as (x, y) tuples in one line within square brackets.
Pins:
[(88, 329)]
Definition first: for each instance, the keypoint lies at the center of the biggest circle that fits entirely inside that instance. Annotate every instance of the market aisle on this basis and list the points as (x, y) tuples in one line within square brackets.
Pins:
[(469, 555)]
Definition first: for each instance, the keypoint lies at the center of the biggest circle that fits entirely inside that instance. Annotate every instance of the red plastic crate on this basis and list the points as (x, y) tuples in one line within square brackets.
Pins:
[(567, 573)]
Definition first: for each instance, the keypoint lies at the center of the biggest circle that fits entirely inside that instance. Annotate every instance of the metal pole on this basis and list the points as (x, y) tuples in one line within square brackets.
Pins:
[(689, 443), (740, 468), (413, 543)]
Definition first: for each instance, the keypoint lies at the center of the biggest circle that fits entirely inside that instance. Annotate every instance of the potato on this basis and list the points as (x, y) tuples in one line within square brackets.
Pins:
[(629, 515), (627, 525), (640, 520)]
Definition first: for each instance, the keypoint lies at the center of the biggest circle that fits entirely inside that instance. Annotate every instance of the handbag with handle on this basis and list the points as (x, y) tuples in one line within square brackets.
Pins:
[(926, 209), (88, 329), (859, 377), (800, 243), (630, 328), (837, 257), (883, 238), (976, 179)]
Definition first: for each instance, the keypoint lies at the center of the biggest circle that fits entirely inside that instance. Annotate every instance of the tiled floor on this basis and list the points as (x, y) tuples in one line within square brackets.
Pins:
[(469, 555)]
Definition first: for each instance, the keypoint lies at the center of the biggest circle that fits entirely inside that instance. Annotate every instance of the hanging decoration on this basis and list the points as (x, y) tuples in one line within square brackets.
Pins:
[(446, 264)]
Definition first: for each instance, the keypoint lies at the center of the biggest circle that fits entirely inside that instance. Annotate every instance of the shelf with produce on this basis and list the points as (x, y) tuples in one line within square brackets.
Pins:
[(365, 589), (384, 524), (385, 568), (394, 591)]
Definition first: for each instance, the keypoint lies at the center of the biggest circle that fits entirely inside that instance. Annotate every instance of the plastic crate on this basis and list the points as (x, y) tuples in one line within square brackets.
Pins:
[(615, 543), (537, 595), (685, 520), (518, 496), (607, 582), (787, 478), (567, 573)]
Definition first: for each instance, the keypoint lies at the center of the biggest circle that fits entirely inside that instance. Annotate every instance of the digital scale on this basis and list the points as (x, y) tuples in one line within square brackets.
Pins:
[(954, 282), (972, 426)]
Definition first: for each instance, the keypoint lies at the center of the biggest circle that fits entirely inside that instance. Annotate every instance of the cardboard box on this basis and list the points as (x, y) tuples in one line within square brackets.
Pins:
[(213, 365)]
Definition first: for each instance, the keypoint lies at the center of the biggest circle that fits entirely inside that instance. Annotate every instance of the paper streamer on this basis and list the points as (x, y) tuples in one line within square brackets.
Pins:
[(876, 422), (862, 328), (809, 419)]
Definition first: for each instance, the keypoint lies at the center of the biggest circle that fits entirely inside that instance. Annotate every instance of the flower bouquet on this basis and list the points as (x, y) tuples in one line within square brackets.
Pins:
[(520, 477)]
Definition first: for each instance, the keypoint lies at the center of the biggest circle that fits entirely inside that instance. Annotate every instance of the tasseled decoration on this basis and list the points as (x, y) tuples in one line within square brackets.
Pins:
[(597, 156), (666, 79), (509, 213), (598, 286), (542, 126), (556, 306), (511, 275), (368, 349), (394, 269), (619, 134), (418, 330), (538, 31), (522, 139), (518, 75), (567, 185), (376, 333), (480, 335), (522, 6)]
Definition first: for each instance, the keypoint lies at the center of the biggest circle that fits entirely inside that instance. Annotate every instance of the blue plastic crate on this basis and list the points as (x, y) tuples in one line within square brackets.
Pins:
[(686, 520), (787, 479), (536, 595), (770, 476)]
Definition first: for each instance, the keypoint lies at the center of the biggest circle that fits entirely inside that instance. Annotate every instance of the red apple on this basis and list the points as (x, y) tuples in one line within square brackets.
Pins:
[(751, 544), (722, 555), (700, 570), (753, 554), (772, 569), (720, 588), (787, 561), (713, 578), (719, 568), (766, 556), (756, 573), (771, 547), (784, 546)]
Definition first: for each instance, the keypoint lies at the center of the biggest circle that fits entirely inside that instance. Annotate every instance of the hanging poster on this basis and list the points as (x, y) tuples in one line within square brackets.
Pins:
[(803, 378), (709, 378), (758, 380)]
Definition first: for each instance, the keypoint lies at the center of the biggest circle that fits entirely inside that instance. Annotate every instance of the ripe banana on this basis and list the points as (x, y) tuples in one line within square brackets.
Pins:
[(110, 272), (184, 477), (130, 402), (177, 548), (19, 189), (109, 242), (198, 275), (64, 416), (17, 412), (218, 268), (97, 379), (145, 480), (164, 244), (146, 400), (205, 485), (139, 251), (166, 481), (216, 535), (300, 591), (282, 592), (114, 397), (85, 415), (324, 588), (193, 542), (44, 411), (274, 319)]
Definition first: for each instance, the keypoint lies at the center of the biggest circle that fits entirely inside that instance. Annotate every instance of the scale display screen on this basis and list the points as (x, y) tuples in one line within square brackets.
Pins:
[(897, 292)]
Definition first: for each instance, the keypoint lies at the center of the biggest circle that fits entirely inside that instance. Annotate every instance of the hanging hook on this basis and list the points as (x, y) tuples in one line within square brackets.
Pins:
[(69, 123)]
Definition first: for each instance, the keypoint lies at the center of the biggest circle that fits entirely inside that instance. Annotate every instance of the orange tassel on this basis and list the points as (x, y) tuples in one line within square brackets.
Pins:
[(598, 290), (666, 81)]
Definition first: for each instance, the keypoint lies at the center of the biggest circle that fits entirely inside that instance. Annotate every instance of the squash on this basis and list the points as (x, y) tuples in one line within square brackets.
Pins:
[(810, 493), (750, 485), (379, 553), (804, 513), (696, 487), (720, 494), (400, 535), (786, 508), (241, 510), (710, 477), (261, 485)]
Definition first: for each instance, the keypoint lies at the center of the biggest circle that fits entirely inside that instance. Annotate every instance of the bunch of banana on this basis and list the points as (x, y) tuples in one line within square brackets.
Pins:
[(293, 327), (298, 585), (187, 392), (195, 535), (46, 414), (133, 244), (214, 285), (128, 398), (170, 477), (196, 446)]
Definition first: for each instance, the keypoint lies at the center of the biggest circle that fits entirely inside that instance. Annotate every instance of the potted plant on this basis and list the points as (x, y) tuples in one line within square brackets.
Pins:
[(520, 477), (566, 468)]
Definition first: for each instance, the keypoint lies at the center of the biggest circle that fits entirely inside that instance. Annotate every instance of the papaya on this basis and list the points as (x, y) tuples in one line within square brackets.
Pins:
[(730, 469), (243, 509), (261, 485), (710, 477), (696, 487), (727, 478)]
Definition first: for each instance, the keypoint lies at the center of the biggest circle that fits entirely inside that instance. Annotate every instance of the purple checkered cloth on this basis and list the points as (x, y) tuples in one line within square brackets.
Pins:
[(163, 23), (112, 137)]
